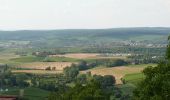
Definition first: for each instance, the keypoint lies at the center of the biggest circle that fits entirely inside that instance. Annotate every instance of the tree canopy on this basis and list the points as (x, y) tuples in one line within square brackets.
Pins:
[(156, 85)]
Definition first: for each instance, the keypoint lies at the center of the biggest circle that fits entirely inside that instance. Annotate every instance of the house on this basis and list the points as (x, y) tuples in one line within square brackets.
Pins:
[(9, 98)]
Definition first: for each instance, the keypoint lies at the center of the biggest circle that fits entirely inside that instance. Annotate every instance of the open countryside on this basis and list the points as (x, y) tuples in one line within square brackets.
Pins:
[(44, 65), (119, 72), (92, 56), (84, 49)]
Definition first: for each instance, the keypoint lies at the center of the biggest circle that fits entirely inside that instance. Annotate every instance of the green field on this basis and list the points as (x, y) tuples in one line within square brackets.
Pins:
[(60, 59), (27, 59), (134, 78), (131, 81), (30, 93), (143, 65)]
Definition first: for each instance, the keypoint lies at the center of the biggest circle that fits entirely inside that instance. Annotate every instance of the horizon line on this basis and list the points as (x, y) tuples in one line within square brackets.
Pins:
[(81, 28)]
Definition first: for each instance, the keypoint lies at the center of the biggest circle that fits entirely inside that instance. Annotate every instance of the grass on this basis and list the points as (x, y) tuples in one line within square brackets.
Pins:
[(134, 78), (27, 59), (131, 82), (118, 72), (60, 59), (143, 65), (10, 63), (30, 93), (9, 57), (131, 73)]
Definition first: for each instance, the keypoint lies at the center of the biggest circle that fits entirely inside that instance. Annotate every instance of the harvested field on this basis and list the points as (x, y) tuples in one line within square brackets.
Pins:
[(87, 56), (36, 71), (118, 72), (7, 56), (44, 65)]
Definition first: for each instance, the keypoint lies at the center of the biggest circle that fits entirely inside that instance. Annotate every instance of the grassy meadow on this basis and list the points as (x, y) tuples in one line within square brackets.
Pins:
[(30, 93)]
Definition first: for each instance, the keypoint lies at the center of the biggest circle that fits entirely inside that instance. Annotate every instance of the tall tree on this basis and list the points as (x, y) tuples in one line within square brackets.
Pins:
[(156, 85)]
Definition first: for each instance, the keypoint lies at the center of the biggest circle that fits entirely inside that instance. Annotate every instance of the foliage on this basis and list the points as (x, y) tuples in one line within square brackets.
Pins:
[(9, 79), (156, 85), (133, 78), (26, 59), (84, 65), (48, 68), (105, 81), (71, 72), (91, 91), (30, 93), (60, 59)]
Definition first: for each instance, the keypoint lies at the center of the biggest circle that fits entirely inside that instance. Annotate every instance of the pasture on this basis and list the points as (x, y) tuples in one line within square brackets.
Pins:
[(7, 56), (119, 72), (27, 59), (133, 78), (30, 93)]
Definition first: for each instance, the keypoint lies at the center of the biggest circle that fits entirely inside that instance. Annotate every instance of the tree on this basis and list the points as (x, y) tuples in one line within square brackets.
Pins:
[(92, 91), (48, 68), (71, 72), (156, 85), (83, 65), (82, 78), (105, 81), (108, 80)]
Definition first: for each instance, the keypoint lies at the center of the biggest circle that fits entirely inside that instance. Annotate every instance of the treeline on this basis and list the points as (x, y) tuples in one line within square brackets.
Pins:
[(126, 49), (145, 59), (84, 65), (14, 80), (159, 51)]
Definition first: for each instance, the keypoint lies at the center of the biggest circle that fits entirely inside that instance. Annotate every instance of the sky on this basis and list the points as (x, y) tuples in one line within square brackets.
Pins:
[(83, 14)]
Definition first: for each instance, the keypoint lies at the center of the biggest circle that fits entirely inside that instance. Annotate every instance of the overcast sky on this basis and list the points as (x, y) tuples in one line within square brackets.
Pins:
[(82, 14)]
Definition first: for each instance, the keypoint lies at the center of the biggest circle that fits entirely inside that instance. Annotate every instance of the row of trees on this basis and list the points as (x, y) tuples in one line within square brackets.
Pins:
[(83, 65), (9, 80)]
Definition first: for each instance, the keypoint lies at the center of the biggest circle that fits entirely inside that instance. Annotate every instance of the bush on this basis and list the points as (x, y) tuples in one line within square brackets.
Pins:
[(48, 68)]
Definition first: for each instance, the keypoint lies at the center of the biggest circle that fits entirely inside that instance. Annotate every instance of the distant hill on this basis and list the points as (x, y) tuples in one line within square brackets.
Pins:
[(71, 37)]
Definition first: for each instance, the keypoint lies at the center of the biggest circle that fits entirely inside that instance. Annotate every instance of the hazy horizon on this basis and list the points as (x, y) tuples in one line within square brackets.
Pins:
[(77, 29), (83, 14)]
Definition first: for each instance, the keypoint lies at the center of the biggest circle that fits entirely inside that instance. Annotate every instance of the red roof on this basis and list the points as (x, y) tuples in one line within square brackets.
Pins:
[(8, 97)]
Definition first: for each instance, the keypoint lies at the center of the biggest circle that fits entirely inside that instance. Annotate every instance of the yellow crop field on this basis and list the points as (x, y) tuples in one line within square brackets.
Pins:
[(36, 71), (44, 65), (118, 72)]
